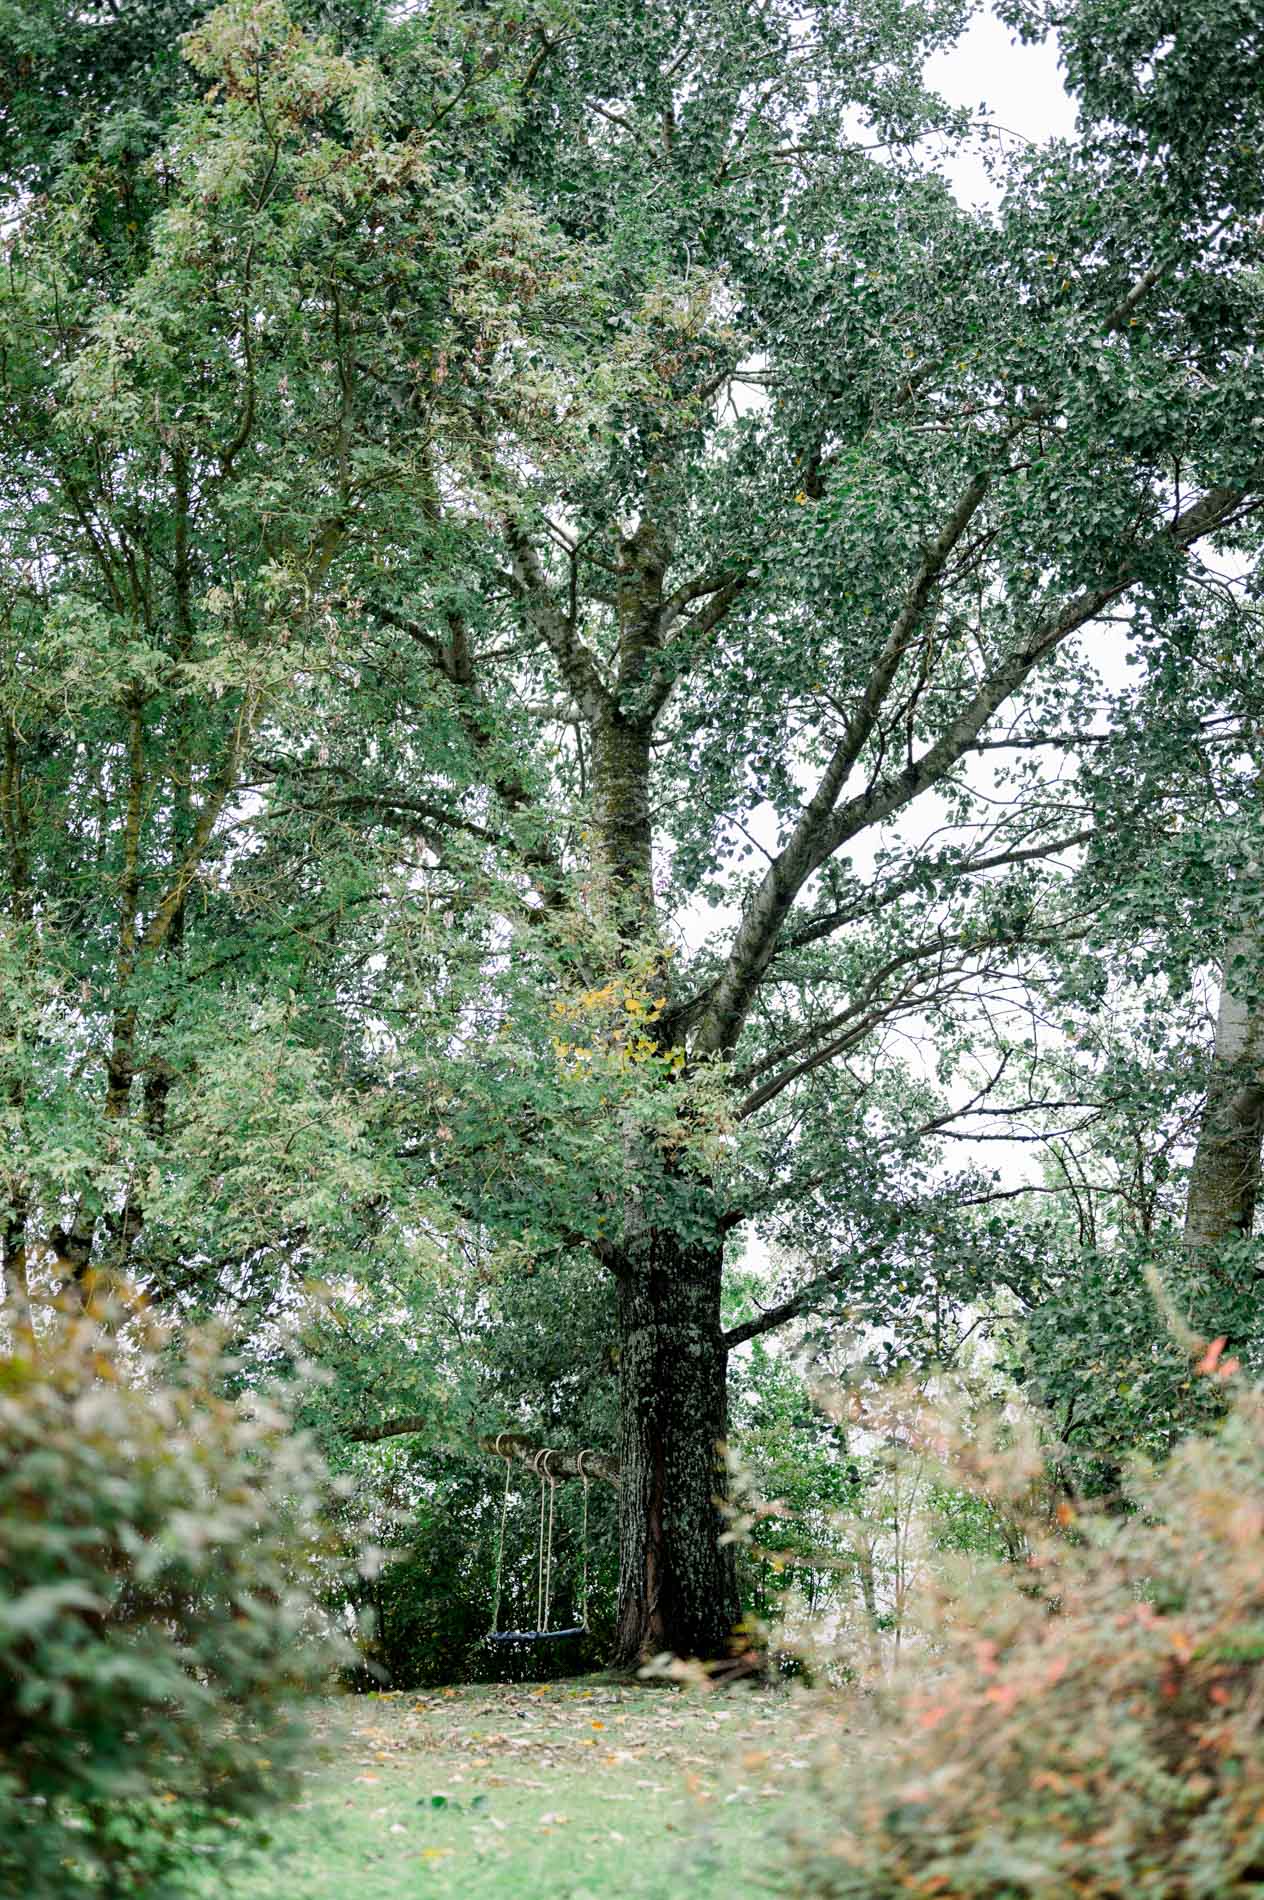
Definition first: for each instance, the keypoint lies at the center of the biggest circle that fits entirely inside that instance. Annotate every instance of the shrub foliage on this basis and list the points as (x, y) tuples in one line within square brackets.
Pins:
[(1094, 1731), (159, 1545)]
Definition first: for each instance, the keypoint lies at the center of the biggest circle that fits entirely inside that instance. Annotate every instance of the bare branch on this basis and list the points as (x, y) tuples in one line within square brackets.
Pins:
[(819, 927), (757, 935), (780, 1315)]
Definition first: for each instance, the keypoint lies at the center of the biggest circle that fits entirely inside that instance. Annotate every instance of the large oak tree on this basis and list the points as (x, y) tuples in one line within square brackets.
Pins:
[(572, 529)]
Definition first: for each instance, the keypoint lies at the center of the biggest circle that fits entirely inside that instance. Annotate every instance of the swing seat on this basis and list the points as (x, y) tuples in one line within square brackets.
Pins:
[(534, 1636)]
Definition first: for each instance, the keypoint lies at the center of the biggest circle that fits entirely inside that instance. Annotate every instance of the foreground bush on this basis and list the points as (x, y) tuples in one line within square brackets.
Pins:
[(1095, 1731), (158, 1550)]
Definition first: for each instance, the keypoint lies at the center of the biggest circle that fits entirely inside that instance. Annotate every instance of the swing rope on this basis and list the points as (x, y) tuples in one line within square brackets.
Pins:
[(583, 1546), (500, 1541), (544, 1553), (544, 1567)]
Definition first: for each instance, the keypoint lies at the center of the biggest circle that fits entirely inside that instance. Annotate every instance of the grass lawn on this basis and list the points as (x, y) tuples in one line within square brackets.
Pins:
[(565, 1791)]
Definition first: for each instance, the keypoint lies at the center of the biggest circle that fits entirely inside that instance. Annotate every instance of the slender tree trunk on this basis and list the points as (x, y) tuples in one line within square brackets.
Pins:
[(677, 1582), (16, 1288), (863, 1548), (1225, 1178)]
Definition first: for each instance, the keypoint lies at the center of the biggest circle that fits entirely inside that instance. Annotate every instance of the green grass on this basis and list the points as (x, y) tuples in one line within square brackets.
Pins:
[(560, 1792)]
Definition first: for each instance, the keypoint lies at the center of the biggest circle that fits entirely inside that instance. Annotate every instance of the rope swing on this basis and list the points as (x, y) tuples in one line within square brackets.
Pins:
[(544, 1556)]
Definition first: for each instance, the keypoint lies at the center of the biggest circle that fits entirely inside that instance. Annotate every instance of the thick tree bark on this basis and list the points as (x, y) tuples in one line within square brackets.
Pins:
[(622, 857), (677, 1582), (1224, 1180)]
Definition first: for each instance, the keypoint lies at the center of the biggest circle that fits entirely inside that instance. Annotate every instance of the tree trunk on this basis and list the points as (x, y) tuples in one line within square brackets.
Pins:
[(15, 1287), (1225, 1177), (677, 1583), (623, 883)]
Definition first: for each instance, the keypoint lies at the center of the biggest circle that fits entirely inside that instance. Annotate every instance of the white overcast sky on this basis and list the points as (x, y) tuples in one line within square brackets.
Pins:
[(1019, 87)]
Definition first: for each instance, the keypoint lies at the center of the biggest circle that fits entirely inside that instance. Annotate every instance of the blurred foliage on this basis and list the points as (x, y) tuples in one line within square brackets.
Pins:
[(162, 1546), (1090, 1723)]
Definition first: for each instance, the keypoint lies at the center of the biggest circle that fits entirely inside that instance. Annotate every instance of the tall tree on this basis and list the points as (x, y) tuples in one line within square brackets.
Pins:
[(645, 500), (771, 628)]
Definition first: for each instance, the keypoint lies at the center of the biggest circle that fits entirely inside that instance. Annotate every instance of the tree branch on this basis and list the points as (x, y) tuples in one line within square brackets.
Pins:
[(574, 661), (822, 830), (544, 1461), (774, 1316), (757, 935), (456, 664), (824, 926), (694, 628)]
